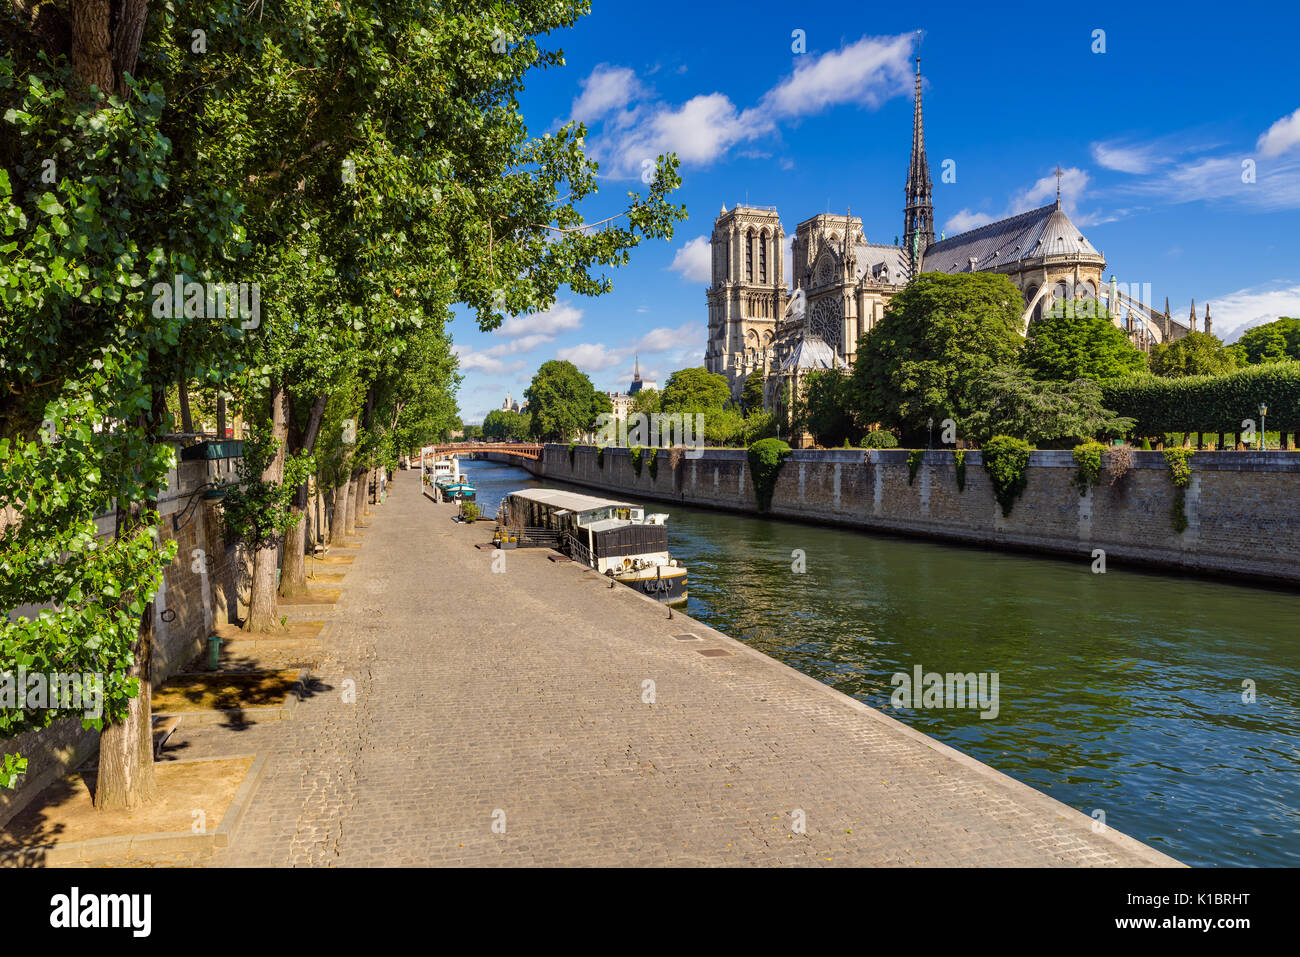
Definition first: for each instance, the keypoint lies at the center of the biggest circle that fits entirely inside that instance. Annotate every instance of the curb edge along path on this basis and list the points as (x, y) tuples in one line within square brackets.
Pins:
[(517, 698)]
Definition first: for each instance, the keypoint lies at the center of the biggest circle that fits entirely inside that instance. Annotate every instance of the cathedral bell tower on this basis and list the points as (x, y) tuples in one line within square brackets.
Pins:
[(918, 211)]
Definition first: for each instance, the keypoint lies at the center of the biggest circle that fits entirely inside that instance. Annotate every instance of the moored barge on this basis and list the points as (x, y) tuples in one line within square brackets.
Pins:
[(617, 539)]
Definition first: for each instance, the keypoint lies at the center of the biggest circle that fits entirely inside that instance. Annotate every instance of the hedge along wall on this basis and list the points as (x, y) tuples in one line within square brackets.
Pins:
[(1209, 403)]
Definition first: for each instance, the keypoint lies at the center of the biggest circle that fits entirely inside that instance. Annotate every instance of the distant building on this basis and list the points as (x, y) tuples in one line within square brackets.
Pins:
[(637, 383), (842, 283), (509, 405), (620, 404)]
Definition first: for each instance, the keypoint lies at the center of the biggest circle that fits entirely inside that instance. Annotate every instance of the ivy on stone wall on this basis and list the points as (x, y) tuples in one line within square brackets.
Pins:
[(913, 463), (1087, 462), (959, 460), (636, 459), (652, 460), (766, 456), (1006, 459), (1179, 463), (600, 457), (573, 450)]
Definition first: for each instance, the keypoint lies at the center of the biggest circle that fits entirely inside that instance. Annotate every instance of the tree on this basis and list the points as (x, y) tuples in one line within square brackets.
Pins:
[(826, 407), (1077, 340), (1197, 353), (562, 402), (503, 425), (936, 336), (1008, 401), (751, 394), (1270, 342), (694, 390), (645, 402)]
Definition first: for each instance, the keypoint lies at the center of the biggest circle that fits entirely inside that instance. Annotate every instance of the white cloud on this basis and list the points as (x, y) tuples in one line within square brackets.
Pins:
[(664, 340), (590, 356), (1074, 182), (694, 260), (483, 362), (1126, 159), (1281, 137), (561, 317), (1238, 311), (606, 90), (705, 127), (869, 71), (964, 219)]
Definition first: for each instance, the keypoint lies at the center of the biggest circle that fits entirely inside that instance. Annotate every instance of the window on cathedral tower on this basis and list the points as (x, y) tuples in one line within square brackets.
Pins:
[(749, 256), (762, 258)]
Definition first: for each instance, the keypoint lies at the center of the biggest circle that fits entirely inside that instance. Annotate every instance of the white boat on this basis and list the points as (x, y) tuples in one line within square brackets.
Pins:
[(617, 539)]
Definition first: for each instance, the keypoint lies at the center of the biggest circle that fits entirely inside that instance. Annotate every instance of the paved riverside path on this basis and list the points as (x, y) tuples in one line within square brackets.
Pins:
[(522, 693)]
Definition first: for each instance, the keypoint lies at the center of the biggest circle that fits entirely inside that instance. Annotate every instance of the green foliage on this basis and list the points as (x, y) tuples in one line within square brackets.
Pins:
[(1178, 461), (1010, 402), (562, 401), (600, 456), (825, 407), (1077, 340), (258, 512), (469, 511), (503, 426), (634, 454), (959, 462), (914, 458), (938, 335), (694, 390), (1197, 353), (1006, 459), (1087, 462), (1274, 341), (879, 439), (758, 425), (573, 451), (751, 393), (646, 402), (766, 456), (1209, 403), (652, 460)]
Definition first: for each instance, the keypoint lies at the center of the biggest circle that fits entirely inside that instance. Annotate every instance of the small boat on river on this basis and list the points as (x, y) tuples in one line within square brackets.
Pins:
[(617, 539)]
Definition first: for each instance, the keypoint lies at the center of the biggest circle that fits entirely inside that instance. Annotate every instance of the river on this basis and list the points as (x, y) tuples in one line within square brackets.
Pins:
[(1118, 693)]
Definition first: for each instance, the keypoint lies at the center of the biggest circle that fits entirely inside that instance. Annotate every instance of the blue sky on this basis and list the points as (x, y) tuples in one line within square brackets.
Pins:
[(1152, 133)]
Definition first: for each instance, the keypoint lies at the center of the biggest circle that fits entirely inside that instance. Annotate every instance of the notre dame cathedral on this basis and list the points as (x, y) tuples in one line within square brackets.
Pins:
[(842, 282)]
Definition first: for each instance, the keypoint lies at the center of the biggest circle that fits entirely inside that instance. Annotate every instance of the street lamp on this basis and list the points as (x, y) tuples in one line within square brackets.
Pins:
[(1263, 411), (929, 424)]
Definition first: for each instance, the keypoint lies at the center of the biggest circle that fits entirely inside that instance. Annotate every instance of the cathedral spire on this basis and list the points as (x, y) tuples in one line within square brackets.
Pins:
[(918, 213)]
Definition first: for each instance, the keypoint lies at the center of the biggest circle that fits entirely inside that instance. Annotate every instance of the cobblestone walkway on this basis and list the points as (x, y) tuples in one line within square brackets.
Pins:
[(516, 699)]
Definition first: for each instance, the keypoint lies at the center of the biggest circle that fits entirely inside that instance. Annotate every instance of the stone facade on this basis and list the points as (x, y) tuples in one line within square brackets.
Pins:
[(187, 605), (1238, 522)]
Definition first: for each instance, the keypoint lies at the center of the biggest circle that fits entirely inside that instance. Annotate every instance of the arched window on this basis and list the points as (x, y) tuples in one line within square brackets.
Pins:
[(762, 257), (749, 256)]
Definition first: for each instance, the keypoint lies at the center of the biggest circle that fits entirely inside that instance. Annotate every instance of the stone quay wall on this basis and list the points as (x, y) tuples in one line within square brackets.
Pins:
[(188, 605), (1242, 519)]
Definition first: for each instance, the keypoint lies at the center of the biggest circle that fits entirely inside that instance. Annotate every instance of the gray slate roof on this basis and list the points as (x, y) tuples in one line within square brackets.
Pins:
[(1030, 235), (875, 257)]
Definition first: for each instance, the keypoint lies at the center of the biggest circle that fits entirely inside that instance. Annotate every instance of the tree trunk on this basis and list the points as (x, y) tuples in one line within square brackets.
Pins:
[(339, 510), (293, 573), (261, 601), (187, 420), (92, 53), (126, 773), (349, 526)]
